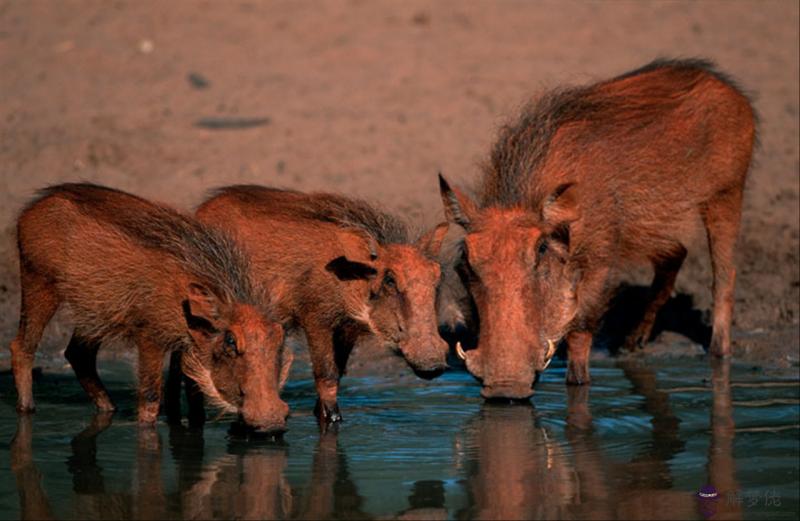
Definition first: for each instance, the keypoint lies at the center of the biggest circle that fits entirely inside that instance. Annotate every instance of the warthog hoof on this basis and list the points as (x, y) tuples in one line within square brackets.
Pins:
[(328, 413), (578, 373)]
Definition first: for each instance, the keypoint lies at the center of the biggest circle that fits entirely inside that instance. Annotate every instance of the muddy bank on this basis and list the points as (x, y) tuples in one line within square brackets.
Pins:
[(372, 99)]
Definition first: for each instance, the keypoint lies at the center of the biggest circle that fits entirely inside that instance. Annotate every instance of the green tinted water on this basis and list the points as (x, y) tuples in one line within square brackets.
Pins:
[(640, 443)]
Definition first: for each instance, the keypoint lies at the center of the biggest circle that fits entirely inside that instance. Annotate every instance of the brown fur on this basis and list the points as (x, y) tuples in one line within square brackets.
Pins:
[(338, 268), (589, 180), (346, 212), (131, 270)]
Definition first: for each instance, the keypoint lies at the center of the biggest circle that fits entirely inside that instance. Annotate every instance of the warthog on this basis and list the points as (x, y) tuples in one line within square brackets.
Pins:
[(590, 180), (128, 269), (338, 268)]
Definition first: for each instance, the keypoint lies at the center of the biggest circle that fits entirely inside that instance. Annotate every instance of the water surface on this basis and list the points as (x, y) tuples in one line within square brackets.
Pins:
[(638, 444)]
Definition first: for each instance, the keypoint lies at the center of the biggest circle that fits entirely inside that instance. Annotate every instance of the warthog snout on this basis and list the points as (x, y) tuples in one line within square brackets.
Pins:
[(507, 391), (430, 374), (431, 363), (269, 422)]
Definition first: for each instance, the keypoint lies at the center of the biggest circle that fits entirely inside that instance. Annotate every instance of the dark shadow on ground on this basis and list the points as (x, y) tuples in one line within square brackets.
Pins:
[(625, 310)]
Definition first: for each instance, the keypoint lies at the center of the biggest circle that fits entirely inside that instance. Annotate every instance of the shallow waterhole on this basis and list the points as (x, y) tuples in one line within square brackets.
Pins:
[(640, 442)]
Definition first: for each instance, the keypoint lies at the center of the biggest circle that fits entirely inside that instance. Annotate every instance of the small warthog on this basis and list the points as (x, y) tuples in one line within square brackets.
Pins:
[(128, 269), (337, 268), (587, 181)]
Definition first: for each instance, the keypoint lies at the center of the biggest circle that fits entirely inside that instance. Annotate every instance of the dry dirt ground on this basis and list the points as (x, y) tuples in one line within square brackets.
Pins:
[(372, 99)]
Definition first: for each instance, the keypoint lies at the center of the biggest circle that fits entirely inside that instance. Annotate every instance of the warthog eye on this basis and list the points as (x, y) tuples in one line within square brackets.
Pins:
[(230, 344), (389, 282), (542, 248)]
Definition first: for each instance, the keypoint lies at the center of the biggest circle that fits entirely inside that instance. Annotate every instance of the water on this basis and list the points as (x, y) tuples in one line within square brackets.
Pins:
[(640, 443)]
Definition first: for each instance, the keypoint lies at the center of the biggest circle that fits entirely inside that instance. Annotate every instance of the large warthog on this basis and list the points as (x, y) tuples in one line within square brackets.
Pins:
[(128, 269), (338, 268), (587, 181)]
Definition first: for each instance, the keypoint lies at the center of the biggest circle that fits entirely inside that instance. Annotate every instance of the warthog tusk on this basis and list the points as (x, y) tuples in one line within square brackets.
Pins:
[(551, 350), (460, 351)]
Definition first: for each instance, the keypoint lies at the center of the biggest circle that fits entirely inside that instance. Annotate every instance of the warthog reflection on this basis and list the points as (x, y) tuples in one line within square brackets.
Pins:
[(247, 482), (33, 502), (513, 464), (517, 470)]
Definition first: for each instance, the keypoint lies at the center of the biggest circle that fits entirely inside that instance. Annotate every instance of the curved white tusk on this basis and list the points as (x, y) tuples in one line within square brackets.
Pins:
[(460, 351), (551, 350)]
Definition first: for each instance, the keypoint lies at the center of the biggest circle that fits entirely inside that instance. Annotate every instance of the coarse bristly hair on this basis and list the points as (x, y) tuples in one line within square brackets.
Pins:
[(194, 367), (347, 212), (210, 255), (523, 145)]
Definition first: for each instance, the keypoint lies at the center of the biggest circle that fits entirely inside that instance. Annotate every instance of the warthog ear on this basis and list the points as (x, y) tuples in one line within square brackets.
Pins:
[(431, 243), (345, 269), (458, 207), (561, 207), (201, 309)]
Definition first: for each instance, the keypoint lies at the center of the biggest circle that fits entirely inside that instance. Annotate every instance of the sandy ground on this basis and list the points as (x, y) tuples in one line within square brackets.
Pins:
[(372, 99)]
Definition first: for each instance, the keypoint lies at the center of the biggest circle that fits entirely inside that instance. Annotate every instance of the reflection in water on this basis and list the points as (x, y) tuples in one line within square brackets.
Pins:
[(666, 442), (426, 501), (87, 476), (517, 463), (33, 503), (246, 483), (148, 487), (592, 487), (721, 465), (92, 498), (517, 472), (186, 445), (331, 493), (643, 486)]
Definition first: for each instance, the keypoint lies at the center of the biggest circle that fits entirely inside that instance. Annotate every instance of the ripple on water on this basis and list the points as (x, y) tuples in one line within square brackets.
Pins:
[(639, 431)]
